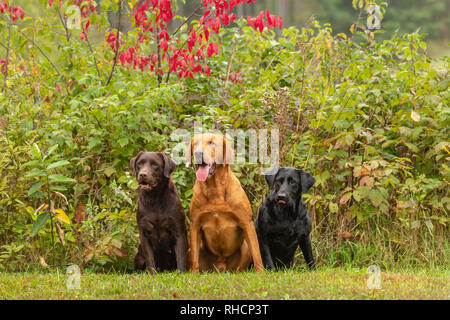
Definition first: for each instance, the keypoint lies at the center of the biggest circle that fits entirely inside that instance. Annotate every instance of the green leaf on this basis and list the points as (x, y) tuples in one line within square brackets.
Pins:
[(35, 187), (51, 149), (123, 179), (57, 164), (58, 188), (412, 147), (109, 171), (35, 151), (60, 178), (357, 195), (93, 143), (333, 207), (123, 142), (39, 223), (32, 163), (375, 197), (36, 172)]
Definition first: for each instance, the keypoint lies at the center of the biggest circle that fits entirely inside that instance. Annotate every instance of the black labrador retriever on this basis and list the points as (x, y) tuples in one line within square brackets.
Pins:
[(160, 216), (283, 222)]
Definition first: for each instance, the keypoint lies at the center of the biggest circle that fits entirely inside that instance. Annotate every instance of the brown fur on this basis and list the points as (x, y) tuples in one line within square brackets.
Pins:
[(222, 233)]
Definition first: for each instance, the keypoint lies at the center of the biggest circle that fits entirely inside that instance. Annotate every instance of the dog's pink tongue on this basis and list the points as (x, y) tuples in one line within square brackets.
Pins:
[(202, 172)]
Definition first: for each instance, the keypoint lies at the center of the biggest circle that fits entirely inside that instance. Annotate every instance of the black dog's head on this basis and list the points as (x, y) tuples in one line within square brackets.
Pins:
[(151, 168), (290, 184)]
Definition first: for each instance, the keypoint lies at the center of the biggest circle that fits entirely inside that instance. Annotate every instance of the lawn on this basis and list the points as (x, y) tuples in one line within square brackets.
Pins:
[(319, 284)]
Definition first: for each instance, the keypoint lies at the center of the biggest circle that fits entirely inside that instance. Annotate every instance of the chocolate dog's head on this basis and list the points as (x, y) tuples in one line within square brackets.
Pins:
[(151, 168), (208, 150), (290, 184)]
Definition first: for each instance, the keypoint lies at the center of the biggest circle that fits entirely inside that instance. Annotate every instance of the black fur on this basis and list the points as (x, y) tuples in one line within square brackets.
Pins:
[(283, 222)]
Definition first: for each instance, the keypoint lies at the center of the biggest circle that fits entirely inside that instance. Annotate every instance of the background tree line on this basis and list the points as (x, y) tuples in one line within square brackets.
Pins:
[(431, 16)]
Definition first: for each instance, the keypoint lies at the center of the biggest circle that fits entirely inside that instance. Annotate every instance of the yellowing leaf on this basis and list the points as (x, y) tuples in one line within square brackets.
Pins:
[(61, 195), (62, 216), (352, 28), (342, 35), (345, 198), (42, 262), (415, 224), (60, 233), (41, 208), (333, 207), (415, 116)]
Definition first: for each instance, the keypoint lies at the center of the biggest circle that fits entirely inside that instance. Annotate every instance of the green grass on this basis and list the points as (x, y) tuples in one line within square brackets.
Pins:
[(319, 284)]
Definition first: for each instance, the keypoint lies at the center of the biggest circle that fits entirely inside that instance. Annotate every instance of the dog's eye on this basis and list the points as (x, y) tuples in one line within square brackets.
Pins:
[(292, 182), (211, 143)]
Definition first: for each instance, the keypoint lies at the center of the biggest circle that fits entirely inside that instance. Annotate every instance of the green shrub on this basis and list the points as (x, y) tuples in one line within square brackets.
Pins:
[(369, 119)]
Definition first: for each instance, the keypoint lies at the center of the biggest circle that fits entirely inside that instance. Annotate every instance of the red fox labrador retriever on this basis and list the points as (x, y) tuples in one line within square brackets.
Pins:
[(222, 233)]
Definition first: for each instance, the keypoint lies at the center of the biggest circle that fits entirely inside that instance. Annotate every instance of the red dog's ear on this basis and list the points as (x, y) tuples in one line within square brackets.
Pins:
[(228, 153), (169, 165), (133, 162), (189, 153)]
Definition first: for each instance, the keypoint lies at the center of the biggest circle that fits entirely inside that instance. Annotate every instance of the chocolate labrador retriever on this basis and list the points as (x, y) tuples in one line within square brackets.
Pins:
[(160, 216), (283, 222)]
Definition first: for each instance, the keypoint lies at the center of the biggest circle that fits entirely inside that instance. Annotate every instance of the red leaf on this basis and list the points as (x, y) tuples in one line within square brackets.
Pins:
[(80, 212), (207, 70), (280, 22)]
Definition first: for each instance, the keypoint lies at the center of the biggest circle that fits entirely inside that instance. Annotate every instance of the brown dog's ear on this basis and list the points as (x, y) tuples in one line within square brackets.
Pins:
[(133, 162), (169, 165), (189, 153), (228, 153)]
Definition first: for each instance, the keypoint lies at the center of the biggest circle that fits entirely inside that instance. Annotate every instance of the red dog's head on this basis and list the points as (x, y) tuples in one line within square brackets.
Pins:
[(208, 151)]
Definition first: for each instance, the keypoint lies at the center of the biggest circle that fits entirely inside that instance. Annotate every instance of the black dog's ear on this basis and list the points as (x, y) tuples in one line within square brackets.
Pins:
[(133, 162), (169, 165), (270, 176), (306, 179)]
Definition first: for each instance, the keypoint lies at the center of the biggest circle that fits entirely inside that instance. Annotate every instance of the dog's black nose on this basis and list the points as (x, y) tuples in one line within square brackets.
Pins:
[(198, 156), (282, 197)]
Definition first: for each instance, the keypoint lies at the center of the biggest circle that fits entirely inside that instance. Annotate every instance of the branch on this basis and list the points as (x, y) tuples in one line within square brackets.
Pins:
[(64, 23), (7, 55), (187, 19), (158, 49), (178, 29), (230, 62), (92, 52), (116, 54), (43, 53), (357, 23), (182, 46)]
